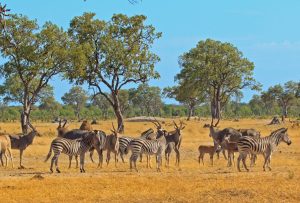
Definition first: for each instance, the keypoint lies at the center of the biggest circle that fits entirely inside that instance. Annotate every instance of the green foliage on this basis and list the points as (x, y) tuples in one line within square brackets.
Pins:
[(76, 98), (219, 69), (147, 99)]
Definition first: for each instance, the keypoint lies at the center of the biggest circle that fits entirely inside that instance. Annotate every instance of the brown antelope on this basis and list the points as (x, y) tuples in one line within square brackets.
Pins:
[(86, 126), (207, 149), (61, 129), (176, 138), (21, 142)]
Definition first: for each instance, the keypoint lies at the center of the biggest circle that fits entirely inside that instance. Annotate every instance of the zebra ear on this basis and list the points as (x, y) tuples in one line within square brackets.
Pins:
[(285, 130)]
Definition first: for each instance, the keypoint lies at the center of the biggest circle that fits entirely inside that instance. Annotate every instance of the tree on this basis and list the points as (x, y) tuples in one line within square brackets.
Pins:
[(112, 55), (256, 105), (220, 69), (285, 96), (3, 14), (33, 57), (186, 94), (147, 99), (76, 98)]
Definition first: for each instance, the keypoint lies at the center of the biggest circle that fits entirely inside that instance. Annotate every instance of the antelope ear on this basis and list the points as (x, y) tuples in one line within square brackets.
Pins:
[(285, 130)]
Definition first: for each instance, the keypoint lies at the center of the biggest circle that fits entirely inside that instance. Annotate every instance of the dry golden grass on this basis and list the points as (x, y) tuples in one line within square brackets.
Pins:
[(189, 183)]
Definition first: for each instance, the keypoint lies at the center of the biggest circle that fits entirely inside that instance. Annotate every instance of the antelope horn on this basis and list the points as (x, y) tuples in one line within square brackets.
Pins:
[(59, 123), (65, 123), (114, 129), (175, 124), (33, 128), (159, 125)]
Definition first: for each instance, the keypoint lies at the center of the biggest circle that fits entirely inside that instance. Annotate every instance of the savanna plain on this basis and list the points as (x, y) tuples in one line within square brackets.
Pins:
[(190, 182)]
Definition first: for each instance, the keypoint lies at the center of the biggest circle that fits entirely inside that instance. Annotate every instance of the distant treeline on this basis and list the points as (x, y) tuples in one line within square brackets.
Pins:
[(97, 109)]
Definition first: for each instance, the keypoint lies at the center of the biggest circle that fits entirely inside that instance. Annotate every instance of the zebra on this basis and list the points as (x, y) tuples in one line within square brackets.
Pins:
[(139, 146), (123, 144), (266, 146), (74, 147)]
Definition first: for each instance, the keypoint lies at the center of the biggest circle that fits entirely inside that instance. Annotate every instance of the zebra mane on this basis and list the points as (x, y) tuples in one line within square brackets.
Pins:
[(277, 131)]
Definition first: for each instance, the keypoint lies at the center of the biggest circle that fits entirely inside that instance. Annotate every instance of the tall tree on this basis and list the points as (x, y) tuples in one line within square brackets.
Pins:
[(76, 98), (33, 57), (220, 69), (112, 55)]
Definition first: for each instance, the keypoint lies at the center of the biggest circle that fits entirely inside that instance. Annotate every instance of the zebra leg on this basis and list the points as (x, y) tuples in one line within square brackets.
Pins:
[(269, 163), (76, 158), (238, 162), (82, 163), (141, 158), (149, 161), (52, 162), (244, 162), (133, 159), (56, 165), (121, 155), (70, 160)]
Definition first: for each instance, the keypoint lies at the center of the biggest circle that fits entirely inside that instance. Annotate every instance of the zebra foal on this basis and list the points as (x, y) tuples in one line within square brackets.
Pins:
[(74, 148), (266, 146)]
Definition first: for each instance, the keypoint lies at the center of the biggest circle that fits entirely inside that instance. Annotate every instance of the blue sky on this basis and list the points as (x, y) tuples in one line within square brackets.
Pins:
[(267, 32)]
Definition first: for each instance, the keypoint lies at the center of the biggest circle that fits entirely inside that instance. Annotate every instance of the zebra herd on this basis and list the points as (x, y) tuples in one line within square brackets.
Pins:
[(77, 142), (246, 142)]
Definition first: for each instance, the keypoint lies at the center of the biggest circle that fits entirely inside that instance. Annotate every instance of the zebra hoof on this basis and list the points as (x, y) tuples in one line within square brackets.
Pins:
[(57, 170), (51, 171)]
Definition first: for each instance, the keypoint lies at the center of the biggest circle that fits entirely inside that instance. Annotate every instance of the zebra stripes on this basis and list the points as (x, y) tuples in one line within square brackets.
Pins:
[(266, 146), (123, 144), (149, 147), (73, 148)]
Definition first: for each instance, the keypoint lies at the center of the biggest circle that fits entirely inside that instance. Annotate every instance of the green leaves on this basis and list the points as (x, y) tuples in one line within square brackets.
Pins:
[(33, 57), (113, 53)]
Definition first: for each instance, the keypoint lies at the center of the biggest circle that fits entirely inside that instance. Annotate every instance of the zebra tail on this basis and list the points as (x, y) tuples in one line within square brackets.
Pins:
[(49, 153)]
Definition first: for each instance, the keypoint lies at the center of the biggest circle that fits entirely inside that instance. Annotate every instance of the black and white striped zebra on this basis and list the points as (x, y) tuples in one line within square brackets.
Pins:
[(266, 146), (149, 147), (123, 145), (74, 148)]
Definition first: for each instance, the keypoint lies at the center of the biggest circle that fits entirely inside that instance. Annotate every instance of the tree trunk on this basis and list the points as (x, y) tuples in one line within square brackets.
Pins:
[(216, 108), (285, 111), (118, 113), (25, 119)]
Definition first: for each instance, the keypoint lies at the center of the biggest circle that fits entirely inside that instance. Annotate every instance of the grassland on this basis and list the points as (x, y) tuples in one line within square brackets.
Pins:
[(189, 183)]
